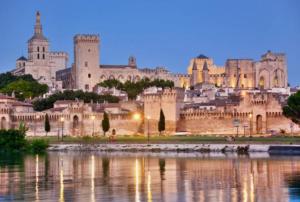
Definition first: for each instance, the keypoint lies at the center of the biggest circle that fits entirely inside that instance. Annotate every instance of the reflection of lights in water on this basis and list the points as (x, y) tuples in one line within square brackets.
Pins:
[(61, 179), (137, 193), (37, 178), (149, 187), (93, 179), (245, 191), (251, 187)]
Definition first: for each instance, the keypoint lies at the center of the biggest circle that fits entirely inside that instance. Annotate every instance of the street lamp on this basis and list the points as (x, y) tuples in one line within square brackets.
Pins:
[(148, 132), (93, 119), (62, 119), (37, 117)]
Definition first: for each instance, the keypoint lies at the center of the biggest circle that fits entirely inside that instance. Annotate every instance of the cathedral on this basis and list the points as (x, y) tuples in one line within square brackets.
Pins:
[(87, 71), (41, 63)]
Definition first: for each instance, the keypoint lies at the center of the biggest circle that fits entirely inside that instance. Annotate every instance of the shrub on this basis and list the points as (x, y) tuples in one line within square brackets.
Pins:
[(12, 140), (38, 145)]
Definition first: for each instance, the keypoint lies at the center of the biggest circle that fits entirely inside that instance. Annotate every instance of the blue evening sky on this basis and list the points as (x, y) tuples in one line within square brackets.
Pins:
[(158, 32)]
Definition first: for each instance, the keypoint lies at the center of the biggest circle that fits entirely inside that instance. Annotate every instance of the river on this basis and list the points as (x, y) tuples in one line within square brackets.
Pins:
[(92, 176)]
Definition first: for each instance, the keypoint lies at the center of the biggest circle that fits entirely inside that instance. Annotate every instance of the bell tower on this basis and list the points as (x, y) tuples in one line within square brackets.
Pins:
[(38, 45)]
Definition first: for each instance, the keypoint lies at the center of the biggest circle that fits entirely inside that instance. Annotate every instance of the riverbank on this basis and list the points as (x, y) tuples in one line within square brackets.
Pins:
[(282, 139), (200, 148)]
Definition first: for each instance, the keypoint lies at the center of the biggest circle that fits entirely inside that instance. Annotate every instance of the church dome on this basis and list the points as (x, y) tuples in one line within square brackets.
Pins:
[(201, 56)]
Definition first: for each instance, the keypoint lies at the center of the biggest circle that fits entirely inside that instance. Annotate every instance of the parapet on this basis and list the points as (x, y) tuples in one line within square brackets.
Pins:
[(95, 38), (59, 54)]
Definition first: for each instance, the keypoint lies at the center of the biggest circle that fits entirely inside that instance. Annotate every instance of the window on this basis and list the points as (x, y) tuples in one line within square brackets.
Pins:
[(85, 64), (245, 76), (38, 49), (89, 50), (89, 75), (234, 75), (43, 49), (43, 56), (38, 56), (86, 86)]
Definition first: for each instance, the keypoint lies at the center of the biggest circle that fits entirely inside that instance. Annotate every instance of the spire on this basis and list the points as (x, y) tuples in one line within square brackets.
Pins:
[(195, 65), (38, 27), (205, 67), (38, 31)]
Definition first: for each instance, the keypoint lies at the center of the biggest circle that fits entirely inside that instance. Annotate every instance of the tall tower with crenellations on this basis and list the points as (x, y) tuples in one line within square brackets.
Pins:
[(86, 68)]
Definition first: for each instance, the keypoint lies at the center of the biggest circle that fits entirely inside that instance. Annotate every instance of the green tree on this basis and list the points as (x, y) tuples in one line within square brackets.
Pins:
[(25, 89), (105, 123), (292, 109), (47, 103), (161, 122), (47, 124)]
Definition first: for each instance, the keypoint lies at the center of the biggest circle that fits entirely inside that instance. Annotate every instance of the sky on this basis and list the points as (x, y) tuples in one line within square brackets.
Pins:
[(158, 32)]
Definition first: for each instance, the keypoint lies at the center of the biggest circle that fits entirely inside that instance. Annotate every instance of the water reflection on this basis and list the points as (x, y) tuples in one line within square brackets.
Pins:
[(135, 177)]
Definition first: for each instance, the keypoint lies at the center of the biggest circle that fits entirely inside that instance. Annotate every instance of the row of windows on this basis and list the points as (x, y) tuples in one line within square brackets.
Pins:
[(38, 49), (42, 56), (245, 75)]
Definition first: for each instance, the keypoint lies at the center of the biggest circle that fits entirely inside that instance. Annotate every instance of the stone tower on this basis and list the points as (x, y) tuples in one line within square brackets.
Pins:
[(205, 75), (170, 101), (38, 45), (194, 77), (86, 62), (132, 61)]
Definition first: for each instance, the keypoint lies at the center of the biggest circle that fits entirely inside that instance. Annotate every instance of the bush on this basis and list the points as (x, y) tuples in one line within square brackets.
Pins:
[(12, 140), (38, 146)]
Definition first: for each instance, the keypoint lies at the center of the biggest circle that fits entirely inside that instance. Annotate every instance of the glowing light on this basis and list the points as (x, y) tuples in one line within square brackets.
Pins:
[(149, 187), (93, 117), (61, 180), (62, 119), (136, 116), (137, 192)]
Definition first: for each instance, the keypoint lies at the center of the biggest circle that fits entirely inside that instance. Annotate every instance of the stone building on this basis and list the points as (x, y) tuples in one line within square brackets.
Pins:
[(254, 112), (270, 72), (41, 63)]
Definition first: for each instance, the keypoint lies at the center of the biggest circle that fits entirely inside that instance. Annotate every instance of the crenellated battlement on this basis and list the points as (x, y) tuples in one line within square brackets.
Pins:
[(87, 38), (59, 54)]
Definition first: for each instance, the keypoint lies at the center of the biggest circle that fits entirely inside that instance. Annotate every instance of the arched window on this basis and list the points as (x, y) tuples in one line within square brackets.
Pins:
[(89, 75), (43, 56), (38, 56), (43, 49), (38, 49), (275, 81), (261, 82)]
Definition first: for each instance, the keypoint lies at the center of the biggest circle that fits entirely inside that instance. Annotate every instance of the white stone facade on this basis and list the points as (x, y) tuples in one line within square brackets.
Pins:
[(41, 63)]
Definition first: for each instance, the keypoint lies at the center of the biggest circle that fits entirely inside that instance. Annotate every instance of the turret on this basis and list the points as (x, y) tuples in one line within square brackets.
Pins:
[(205, 75), (194, 78)]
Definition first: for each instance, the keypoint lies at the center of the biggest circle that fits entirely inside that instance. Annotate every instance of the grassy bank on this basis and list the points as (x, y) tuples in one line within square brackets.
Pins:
[(173, 139)]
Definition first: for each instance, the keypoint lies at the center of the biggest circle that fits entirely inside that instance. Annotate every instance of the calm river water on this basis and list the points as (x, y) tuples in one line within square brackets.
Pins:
[(148, 177)]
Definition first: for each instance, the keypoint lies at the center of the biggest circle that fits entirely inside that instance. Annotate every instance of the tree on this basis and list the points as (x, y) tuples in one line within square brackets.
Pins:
[(47, 124), (47, 103), (105, 123), (161, 122), (25, 89), (292, 109)]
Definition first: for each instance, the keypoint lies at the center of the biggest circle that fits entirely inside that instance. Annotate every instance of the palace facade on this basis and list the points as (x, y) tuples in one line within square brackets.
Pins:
[(87, 71)]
